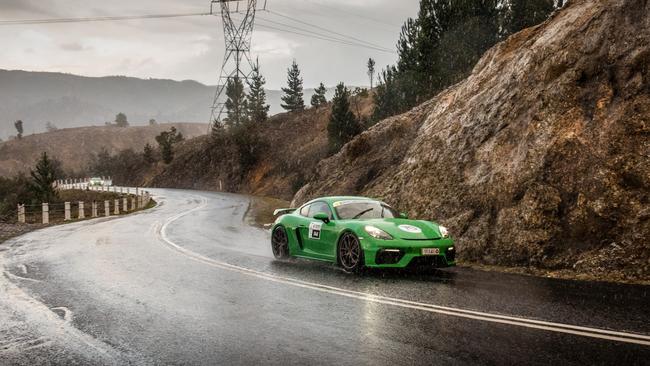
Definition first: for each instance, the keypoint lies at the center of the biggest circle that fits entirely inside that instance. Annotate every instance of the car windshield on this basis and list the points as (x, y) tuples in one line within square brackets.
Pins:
[(349, 210)]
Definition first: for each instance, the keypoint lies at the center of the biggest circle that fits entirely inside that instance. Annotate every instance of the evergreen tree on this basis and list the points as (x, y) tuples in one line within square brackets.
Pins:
[(293, 93), (522, 14), (19, 128), (319, 97), (152, 122), (166, 141), (371, 71), (236, 104), (121, 121), (387, 101), (43, 178), (148, 154), (343, 124), (258, 110)]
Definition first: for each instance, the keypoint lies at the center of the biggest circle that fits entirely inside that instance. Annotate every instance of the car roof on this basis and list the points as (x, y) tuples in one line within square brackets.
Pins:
[(332, 199)]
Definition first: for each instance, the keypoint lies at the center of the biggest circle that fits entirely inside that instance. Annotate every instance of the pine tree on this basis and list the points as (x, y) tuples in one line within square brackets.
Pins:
[(148, 154), (319, 97), (236, 104), (343, 124), (522, 14), (293, 93), (258, 110), (43, 178), (371, 71)]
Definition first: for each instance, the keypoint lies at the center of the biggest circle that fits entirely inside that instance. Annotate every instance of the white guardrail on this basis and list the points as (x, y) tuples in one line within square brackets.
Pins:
[(131, 199)]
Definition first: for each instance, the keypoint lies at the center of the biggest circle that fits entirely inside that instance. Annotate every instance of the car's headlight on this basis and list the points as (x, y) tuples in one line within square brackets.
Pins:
[(443, 231), (377, 233)]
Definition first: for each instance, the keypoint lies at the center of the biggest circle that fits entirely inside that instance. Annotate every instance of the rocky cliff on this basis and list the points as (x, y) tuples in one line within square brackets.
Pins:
[(539, 158)]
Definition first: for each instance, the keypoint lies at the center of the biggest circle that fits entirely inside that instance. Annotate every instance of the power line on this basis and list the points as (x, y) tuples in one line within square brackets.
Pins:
[(311, 34), (325, 29), (96, 19), (353, 14)]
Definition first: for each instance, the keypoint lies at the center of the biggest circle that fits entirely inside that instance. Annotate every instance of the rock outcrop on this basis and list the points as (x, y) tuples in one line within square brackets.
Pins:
[(539, 158)]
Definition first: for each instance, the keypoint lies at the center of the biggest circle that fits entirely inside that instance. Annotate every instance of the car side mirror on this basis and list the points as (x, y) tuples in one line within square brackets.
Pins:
[(323, 217), (403, 215)]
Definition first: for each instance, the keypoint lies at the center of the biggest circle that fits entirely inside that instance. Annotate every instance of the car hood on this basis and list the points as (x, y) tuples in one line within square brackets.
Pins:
[(407, 229)]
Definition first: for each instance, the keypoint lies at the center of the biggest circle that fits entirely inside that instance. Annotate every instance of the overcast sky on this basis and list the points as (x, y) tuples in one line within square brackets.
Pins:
[(192, 47)]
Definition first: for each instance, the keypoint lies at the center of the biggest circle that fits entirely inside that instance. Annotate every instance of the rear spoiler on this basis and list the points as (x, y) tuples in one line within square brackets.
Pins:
[(283, 211)]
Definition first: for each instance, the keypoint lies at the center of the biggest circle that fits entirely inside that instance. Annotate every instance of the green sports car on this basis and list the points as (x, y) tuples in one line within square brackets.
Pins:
[(358, 232)]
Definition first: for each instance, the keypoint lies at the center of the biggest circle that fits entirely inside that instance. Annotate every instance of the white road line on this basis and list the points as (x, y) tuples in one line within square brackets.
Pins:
[(457, 312)]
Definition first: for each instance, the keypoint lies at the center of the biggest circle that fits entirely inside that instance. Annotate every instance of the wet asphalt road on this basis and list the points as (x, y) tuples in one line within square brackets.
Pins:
[(188, 282)]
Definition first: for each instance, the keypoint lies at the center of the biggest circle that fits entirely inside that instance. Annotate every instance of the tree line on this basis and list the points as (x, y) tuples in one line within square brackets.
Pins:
[(442, 44)]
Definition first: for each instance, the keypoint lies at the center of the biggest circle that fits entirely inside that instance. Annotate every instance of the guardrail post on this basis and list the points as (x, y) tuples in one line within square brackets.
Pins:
[(125, 204), (127, 190), (46, 213), (117, 206), (21, 213), (67, 212), (107, 208), (94, 209), (82, 213), (132, 203)]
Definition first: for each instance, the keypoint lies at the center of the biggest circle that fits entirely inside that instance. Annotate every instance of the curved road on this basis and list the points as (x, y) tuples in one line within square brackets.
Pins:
[(188, 282)]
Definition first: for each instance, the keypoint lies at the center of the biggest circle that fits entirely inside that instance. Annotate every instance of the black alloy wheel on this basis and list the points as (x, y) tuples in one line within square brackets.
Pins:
[(280, 243), (350, 254)]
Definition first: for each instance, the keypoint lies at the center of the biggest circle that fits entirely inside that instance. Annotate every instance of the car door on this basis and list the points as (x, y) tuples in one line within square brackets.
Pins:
[(321, 236), (302, 226)]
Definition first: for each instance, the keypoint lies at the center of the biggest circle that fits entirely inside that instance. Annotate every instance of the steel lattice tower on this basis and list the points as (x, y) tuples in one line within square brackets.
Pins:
[(237, 35)]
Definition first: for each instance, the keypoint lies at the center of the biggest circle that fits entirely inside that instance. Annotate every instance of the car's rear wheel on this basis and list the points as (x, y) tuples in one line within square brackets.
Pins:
[(280, 243), (350, 254)]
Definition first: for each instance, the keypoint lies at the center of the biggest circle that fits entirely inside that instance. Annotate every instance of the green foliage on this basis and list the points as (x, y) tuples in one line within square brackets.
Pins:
[(121, 121), (125, 167), (148, 154), (12, 192), (43, 177), (258, 110), (343, 124), (166, 141), (246, 138), (522, 14), (236, 103), (441, 46), (319, 97), (292, 100), (19, 128)]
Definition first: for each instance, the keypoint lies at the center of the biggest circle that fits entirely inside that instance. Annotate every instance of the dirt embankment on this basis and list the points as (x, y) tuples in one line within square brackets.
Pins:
[(540, 158), (75, 146), (291, 146)]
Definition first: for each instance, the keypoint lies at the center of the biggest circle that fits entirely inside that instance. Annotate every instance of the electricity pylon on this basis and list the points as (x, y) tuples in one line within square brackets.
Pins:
[(237, 34)]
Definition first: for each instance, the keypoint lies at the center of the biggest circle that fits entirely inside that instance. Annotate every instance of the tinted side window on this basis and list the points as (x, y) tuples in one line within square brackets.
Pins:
[(318, 207), (304, 211)]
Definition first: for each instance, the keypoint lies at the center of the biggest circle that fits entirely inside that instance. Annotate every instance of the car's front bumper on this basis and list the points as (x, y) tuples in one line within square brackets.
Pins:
[(404, 253)]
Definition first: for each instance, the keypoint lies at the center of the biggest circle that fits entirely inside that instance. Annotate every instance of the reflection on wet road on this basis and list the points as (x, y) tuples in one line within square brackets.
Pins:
[(189, 282)]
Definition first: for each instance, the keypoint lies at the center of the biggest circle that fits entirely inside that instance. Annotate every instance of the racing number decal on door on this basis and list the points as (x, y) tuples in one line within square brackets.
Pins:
[(314, 230)]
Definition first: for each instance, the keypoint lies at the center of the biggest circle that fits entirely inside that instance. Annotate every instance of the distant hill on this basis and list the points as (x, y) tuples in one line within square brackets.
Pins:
[(73, 101), (75, 146)]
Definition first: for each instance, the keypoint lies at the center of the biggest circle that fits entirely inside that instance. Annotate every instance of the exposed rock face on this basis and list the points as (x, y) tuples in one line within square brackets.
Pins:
[(541, 157)]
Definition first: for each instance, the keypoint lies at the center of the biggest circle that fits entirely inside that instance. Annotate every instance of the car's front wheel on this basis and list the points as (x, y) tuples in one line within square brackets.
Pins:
[(280, 243), (350, 254)]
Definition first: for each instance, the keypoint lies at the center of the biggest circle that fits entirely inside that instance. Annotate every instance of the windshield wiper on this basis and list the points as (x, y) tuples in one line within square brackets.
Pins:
[(362, 212)]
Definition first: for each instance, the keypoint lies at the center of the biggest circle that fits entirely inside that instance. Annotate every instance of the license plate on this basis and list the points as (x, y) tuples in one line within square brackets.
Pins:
[(430, 251)]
